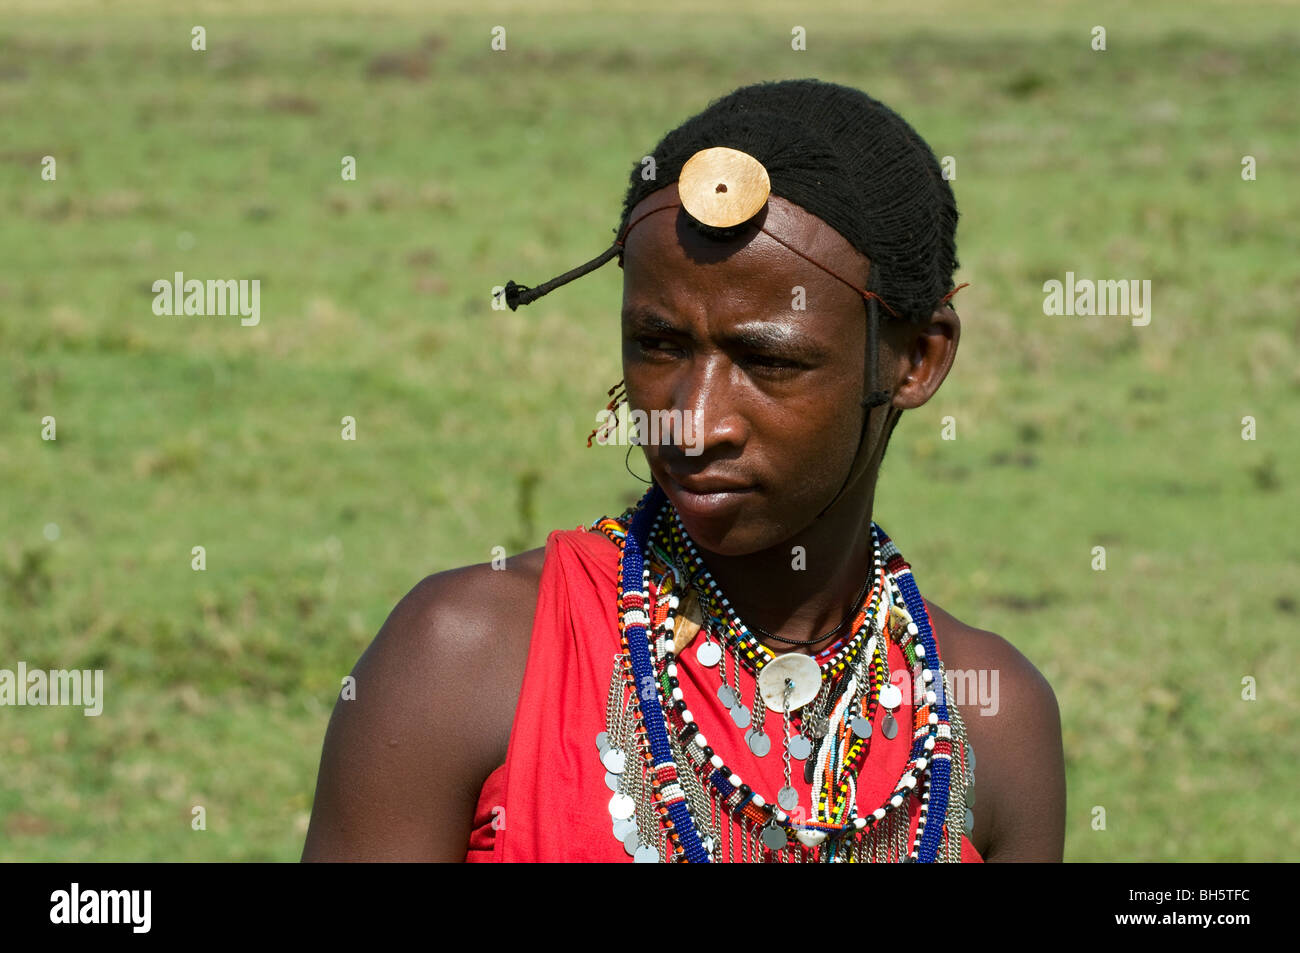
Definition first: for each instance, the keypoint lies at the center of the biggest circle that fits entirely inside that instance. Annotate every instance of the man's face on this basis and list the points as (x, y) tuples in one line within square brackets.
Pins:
[(715, 329)]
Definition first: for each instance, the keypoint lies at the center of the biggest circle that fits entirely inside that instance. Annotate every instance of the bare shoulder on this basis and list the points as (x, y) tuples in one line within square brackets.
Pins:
[(428, 717), (1013, 721)]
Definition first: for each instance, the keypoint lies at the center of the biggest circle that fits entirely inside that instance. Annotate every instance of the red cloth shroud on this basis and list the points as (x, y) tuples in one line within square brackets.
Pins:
[(549, 801)]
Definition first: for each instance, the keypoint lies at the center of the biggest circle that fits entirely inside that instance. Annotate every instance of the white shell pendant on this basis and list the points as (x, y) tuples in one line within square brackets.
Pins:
[(810, 838), (800, 670)]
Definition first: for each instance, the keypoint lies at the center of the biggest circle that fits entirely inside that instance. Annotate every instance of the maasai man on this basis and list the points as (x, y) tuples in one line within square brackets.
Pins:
[(741, 666)]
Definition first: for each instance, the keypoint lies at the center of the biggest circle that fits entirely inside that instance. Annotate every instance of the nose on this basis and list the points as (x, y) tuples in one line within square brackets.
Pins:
[(709, 392)]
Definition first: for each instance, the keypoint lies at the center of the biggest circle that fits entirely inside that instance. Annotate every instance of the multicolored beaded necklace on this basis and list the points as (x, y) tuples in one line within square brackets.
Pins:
[(659, 764)]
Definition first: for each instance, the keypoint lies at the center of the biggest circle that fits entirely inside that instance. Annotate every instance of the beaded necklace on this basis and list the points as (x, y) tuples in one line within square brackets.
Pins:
[(673, 790)]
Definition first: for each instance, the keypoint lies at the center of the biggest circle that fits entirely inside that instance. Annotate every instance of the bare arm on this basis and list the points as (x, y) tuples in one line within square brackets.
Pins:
[(403, 762), (1029, 812)]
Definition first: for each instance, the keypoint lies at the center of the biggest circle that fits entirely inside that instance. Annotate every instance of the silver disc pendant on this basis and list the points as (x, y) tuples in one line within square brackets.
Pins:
[(862, 727), (727, 695), (970, 756), (889, 727), (774, 837), (623, 828), (611, 781), (803, 674), (708, 654), (758, 742), (621, 807), (632, 842), (646, 854), (602, 742), (614, 760), (740, 715), (891, 696), (800, 747), (788, 798), (969, 821)]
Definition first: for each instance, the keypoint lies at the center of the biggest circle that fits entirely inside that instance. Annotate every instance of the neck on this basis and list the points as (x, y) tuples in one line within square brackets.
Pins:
[(769, 589)]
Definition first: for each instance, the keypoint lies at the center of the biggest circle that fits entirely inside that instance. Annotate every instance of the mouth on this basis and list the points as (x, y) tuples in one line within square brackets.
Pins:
[(707, 498)]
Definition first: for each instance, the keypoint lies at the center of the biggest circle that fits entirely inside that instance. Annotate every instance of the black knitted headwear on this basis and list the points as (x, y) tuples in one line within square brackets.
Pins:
[(840, 155)]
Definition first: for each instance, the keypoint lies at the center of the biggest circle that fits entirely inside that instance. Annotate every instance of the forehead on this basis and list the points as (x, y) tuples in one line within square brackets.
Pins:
[(666, 259)]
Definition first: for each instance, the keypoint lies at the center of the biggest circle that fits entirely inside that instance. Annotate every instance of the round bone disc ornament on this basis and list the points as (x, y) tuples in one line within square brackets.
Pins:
[(723, 187), (801, 670)]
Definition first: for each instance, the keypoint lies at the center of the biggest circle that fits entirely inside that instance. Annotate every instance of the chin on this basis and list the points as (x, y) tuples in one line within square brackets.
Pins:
[(730, 535)]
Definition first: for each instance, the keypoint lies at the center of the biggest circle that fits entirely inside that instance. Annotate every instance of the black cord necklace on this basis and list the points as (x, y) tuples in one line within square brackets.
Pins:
[(857, 604)]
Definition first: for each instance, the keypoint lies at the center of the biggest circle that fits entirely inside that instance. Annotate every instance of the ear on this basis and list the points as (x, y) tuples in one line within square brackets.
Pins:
[(923, 357)]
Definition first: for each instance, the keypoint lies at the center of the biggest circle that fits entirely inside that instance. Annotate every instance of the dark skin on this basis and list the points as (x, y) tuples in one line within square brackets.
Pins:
[(403, 764)]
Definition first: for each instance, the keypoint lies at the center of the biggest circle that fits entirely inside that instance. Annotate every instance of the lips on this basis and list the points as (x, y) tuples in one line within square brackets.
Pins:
[(706, 496)]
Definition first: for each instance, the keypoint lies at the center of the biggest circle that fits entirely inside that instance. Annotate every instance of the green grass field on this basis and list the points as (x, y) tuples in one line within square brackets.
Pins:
[(475, 167)]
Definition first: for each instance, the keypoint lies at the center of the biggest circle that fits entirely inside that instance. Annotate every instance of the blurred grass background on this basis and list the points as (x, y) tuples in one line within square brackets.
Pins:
[(474, 167)]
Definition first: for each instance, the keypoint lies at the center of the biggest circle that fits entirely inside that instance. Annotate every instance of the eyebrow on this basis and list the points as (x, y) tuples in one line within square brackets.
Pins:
[(756, 335)]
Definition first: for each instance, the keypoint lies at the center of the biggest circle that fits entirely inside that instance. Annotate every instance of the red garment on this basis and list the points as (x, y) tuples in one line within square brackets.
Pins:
[(549, 801)]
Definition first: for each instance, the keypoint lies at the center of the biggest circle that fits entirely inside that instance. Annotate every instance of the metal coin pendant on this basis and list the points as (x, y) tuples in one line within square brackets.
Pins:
[(646, 854), (632, 842), (968, 821), (759, 743), (889, 728), (801, 671), (740, 715), (727, 696), (614, 760), (891, 696), (774, 837), (602, 741), (621, 806), (788, 798), (862, 727), (800, 747), (623, 828), (611, 781), (708, 654)]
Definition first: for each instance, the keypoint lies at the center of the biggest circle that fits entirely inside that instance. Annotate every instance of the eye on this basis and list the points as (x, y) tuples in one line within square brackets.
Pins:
[(772, 364), (654, 345)]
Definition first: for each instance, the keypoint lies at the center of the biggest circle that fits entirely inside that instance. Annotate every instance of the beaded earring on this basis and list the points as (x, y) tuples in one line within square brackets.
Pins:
[(616, 400)]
